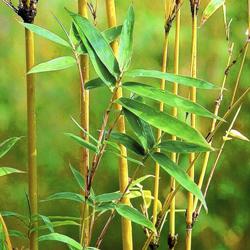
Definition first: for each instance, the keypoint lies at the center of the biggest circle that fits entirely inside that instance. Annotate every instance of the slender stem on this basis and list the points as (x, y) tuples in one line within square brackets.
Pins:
[(218, 157), (6, 233), (172, 238), (32, 152), (84, 118), (216, 112), (189, 215), (127, 238)]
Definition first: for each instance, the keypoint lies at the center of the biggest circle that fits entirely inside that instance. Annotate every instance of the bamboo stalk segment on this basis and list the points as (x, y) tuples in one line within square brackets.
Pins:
[(84, 121), (127, 238)]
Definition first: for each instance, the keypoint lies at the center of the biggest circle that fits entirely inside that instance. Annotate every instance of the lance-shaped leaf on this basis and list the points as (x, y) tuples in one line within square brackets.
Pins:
[(6, 171), (126, 41), (139, 180), (108, 197), (82, 142), (109, 35), (17, 234), (168, 98), (59, 63), (65, 196), (141, 129), (97, 42), (46, 34), (6, 145), (99, 67), (61, 238), (184, 80), (94, 83), (135, 216), (179, 174), (212, 6), (80, 180), (128, 142), (181, 147), (164, 121)]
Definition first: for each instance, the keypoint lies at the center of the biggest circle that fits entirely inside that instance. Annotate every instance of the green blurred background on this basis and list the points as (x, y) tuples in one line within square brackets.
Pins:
[(226, 226)]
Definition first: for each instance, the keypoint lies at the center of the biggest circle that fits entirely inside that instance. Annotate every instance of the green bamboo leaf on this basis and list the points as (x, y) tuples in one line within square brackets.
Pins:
[(6, 146), (109, 35), (65, 196), (210, 9), (134, 215), (168, 98), (3, 244), (108, 197), (61, 238), (141, 129), (99, 67), (6, 171), (59, 63), (80, 180), (104, 207), (47, 223), (94, 83), (45, 34), (126, 41), (179, 174), (13, 214), (82, 142), (164, 122), (97, 42), (139, 180), (112, 33), (181, 147), (184, 80), (128, 142), (17, 234)]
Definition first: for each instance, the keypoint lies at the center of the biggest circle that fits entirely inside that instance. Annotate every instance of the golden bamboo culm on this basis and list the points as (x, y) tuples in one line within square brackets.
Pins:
[(172, 236), (84, 121), (127, 238), (189, 214)]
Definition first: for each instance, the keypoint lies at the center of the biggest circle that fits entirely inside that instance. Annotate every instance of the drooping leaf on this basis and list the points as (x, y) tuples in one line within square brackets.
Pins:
[(65, 196), (99, 67), (17, 234), (13, 214), (108, 197), (134, 215), (6, 146), (126, 41), (181, 147), (168, 98), (97, 42), (212, 6), (47, 222), (164, 121), (46, 34), (61, 238), (94, 83), (59, 63), (6, 171), (184, 80), (179, 174), (82, 142), (141, 129), (104, 207), (128, 142)]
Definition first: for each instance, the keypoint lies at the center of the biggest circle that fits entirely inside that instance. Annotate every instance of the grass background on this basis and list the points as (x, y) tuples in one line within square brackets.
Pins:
[(226, 226)]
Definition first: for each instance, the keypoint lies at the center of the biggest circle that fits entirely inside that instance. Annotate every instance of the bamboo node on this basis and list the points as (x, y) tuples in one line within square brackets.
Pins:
[(172, 240), (27, 12)]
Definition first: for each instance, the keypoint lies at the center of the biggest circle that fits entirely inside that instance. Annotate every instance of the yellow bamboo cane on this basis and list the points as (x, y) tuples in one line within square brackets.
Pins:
[(84, 118), (172, 240), (127, 239), (189, 216), (6, 233)]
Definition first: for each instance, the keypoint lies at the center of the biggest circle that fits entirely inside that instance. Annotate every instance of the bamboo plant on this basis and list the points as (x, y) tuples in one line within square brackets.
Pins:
[(111, 62)]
